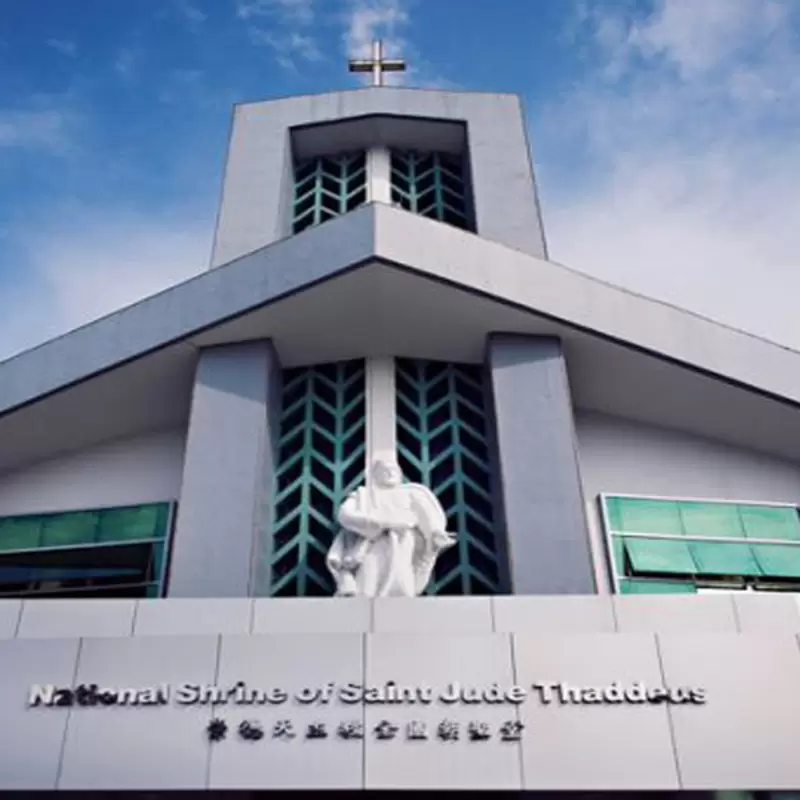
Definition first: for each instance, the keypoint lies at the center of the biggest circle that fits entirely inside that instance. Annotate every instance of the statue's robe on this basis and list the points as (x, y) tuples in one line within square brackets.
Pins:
[(389, 540)]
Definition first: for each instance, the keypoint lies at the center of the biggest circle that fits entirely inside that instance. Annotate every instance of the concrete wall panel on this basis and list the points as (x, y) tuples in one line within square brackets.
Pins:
[(743, 737), (436, 661), (32, 740), (620, 746), (540, 614), (293, 663), (312, 615), (746, 735), (47, 619), (146, 469), (432, 615), (139, 748)]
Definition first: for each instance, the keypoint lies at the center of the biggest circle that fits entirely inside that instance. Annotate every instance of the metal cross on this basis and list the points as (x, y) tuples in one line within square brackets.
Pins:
[(377, 65)]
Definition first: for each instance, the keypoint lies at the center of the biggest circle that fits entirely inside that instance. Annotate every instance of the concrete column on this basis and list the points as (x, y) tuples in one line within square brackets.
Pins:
[(224, 507), (381, 416), (379, 175), (538, 483)]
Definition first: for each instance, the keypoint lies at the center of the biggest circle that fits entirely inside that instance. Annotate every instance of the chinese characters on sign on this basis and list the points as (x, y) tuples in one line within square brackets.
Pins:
[(446, 731), (350, 695)]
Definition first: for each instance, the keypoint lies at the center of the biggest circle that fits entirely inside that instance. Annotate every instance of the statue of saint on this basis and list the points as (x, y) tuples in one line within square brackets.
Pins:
[(392, 533)]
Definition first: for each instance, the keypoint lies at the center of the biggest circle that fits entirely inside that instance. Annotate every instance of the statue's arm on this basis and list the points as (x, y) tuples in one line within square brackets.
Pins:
[(352, 519)]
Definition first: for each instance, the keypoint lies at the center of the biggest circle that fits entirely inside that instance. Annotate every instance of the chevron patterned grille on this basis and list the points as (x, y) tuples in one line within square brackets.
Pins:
[(320, 461), (326, 187), (430, 184), (441, 442)]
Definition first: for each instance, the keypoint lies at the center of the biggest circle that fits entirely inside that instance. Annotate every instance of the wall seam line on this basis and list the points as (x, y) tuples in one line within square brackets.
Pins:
[(737, 621), (135, 617), (364, 713), (70, 710), (209, 747), (512, 640), (670, 721), (18, 622), (614, 615)]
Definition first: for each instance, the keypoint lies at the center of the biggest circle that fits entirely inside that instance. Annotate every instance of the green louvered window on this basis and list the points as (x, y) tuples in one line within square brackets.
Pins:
[(327, 187), (320, 460), (109, 552), (664, 545), (431, 184), (441, 442)]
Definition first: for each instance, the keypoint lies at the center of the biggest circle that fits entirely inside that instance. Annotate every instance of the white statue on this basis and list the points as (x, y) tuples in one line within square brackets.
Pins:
[(392, 533)]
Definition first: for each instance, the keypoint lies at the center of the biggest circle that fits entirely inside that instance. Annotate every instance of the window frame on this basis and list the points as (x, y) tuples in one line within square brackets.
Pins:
[(165, 542), (609, 535)]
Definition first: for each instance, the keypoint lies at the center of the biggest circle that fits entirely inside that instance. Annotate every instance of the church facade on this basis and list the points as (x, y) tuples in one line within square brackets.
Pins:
[(612, 601)]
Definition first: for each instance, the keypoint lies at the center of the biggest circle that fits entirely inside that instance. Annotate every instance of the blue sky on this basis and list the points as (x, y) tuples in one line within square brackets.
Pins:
[(664, 134)]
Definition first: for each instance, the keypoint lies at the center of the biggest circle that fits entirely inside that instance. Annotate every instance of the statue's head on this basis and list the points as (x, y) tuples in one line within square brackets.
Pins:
[(386, 472)]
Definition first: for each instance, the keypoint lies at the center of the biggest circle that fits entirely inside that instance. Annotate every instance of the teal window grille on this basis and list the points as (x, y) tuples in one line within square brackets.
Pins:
[(327, 187), (738, 795), (109, 552), (441, 442), (433, 185), (320, 460), (676, 545)]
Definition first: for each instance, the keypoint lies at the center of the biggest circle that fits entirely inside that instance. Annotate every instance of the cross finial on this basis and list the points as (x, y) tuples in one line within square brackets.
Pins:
[(377, 65)]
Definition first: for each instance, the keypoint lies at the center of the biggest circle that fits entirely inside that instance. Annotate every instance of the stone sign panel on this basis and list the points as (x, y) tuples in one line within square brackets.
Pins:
[(401, 711)]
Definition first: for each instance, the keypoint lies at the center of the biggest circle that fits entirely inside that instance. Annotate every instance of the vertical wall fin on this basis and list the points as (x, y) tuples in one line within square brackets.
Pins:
[(536, 452), (228, 460)]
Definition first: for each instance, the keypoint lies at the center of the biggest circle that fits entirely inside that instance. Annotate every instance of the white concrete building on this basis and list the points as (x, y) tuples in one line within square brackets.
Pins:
[(170, 476)]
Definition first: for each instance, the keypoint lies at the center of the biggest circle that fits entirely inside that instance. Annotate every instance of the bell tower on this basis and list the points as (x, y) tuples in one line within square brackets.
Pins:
[(458, 157)]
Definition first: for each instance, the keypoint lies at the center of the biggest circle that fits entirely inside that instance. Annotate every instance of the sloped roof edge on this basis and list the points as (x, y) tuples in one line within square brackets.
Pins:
[(437, 251), (582, 301)]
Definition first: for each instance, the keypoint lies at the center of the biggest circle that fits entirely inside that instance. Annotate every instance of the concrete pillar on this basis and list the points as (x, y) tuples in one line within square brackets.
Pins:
[(381, 416), (538, 483), (224, 507), (379, 175)]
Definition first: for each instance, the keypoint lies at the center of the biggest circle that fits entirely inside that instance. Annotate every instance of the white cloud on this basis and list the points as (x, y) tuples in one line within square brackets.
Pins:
[(185, 12), (698, 37), (388, 20), (46, 128), (288, 48), (375, 19), (685, 136), (126, 62), (63, 46), (282, 25), (91, 262), (300, 12), (193, 16)]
